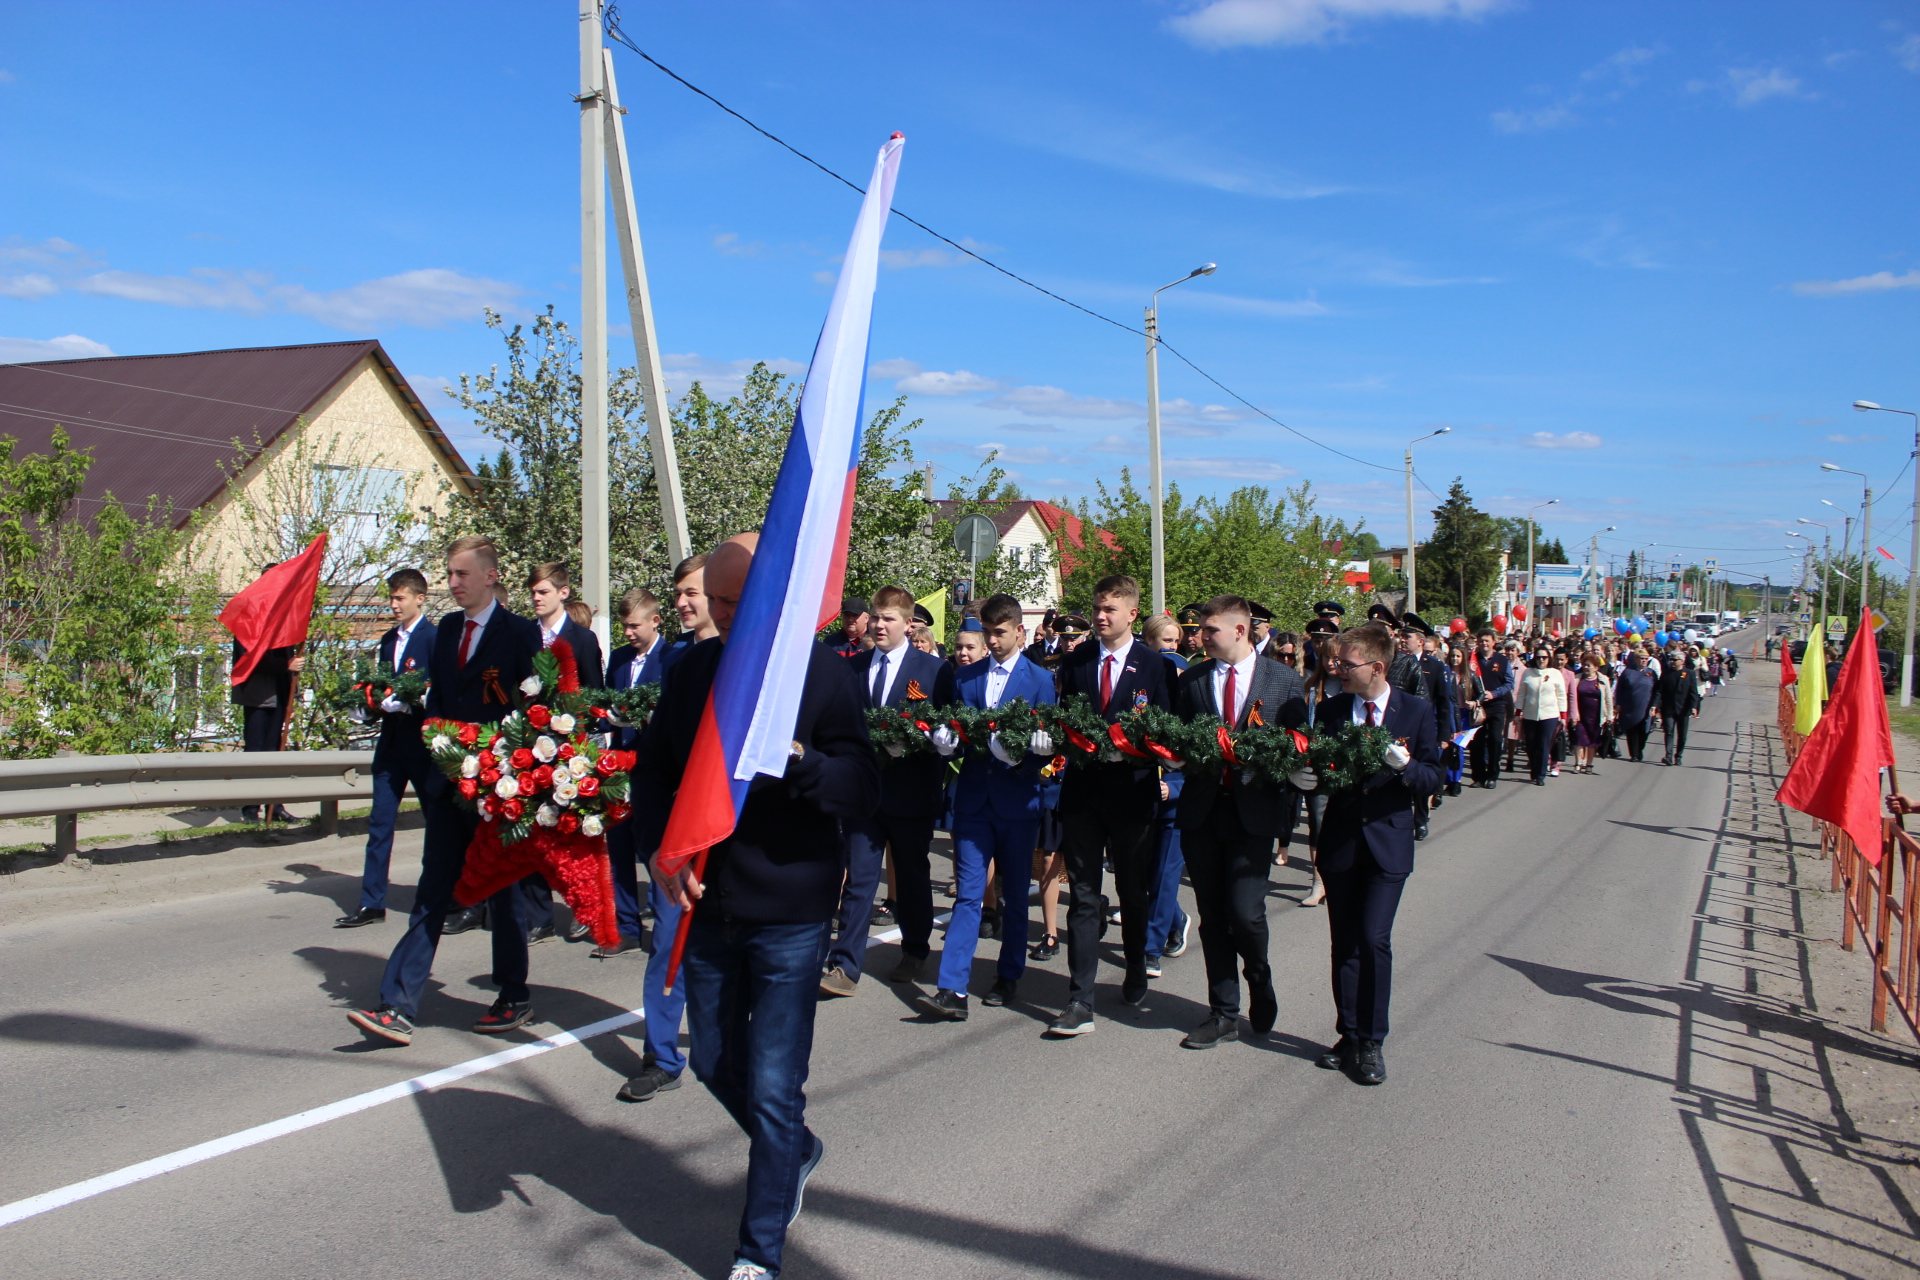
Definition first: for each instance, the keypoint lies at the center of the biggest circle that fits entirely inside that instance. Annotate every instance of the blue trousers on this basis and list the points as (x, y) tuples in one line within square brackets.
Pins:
[(626, 879), (751, 994), (449, 831), (390, 783), (978, 841), (664, 1007), (1163, 898), (867, 842)]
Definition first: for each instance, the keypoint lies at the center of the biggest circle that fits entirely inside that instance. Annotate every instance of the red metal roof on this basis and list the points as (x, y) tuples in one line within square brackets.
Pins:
[(163, 426)]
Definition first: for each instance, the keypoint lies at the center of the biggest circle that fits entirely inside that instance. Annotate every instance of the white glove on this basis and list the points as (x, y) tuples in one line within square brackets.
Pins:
[(392, 705), (999, 752), (945, 740), (1304, 779), (1398, 757), (1041, 743), (895, 750)]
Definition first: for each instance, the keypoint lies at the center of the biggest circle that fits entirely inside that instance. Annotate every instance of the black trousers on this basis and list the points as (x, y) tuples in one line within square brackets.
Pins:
[(1676, 742), (1637, 739), (1088, 838), (1361, 903), (1228, 868), (1490, 743), (260, 727), (1539, 735)]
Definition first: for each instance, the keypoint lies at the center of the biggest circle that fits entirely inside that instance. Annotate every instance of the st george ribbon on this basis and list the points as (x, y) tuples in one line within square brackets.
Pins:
[(794, 587)]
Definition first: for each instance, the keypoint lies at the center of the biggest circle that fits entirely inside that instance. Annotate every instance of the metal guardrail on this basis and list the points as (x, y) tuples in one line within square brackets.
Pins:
[(68, 786)]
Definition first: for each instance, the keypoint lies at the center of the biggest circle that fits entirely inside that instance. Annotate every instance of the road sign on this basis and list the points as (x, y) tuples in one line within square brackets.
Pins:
[(1673, 566), (975, 537), (1712, 565), (1879, 619)]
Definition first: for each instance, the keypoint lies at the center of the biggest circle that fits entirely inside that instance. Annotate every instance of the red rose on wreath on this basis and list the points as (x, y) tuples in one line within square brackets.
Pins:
[(566, 751), (469, 734), (487, 761), (513, 809), (488, 777), (522, 759), (568, 824), (618, 811), (543, 777), (539, 716), (608, 764), (528, 784), (469, 788), (589, 786), (490, 806)]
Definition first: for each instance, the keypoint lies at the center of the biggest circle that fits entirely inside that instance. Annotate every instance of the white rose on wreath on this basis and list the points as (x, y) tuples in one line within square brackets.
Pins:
[(508, 787), (562, 724), (547, 816), (530, 686), (565, 791), (545, 749), (442, 742), (591, 825), (579, 766), (470, 767)]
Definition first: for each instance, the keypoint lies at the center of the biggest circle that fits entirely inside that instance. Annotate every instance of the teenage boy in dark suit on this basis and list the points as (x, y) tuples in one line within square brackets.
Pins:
[(481, 653), (551, 589), (634, 663), (1366, 843), (400, 758)]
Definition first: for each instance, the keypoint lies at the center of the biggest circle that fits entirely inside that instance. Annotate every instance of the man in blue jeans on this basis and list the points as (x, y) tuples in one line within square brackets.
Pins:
[(763, 914)]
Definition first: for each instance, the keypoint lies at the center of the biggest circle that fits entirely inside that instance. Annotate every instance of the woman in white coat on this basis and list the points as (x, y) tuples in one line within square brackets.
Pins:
[(1543, 700)]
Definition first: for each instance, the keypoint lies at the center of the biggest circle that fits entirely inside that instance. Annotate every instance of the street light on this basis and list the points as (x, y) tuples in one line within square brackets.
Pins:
[(1846, 540), (1413, 605), (1866, 529), (1826, 564), (1533, 603), (1593, 555), (1913, 558), (1153, 435)]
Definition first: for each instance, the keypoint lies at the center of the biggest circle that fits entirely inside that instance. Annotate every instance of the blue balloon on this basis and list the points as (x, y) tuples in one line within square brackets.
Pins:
[(1640, 626), (1622, 627), (1660, 638), (1590, 633)]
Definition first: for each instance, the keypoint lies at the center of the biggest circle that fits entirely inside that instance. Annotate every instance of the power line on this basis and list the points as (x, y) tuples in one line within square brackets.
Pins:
[(620, 37)]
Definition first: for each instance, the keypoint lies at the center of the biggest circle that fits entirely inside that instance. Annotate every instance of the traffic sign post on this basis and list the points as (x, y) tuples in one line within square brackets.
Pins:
[(975, 538)]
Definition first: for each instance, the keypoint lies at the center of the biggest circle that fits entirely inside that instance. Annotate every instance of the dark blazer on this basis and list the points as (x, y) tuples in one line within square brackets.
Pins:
[(1379, 817), (1129, 790), (620, 675), (911, 786), (987, 788), (586, 653), (400, 746), (1281, 697), (1440, 695), (1678, 694), (1499, 676), (269, 684), (483, 691), (1632, 697), (783, 864)]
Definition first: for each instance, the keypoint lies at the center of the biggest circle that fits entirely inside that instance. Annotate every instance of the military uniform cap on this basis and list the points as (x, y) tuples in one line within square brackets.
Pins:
[(1329, 609), (1072, 624), (1381, 613), (1322, 627), (923, 615), (1260, 612), (1415, 623)]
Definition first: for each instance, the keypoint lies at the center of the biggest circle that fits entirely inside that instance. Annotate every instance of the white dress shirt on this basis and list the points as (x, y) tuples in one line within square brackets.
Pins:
[(548, 637), (638, 661), (997, 676), (1379, 705), (1242, 686), (886, 671), (401, 638)]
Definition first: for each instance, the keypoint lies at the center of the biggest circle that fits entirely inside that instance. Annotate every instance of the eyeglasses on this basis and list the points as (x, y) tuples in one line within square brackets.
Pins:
[(1286, 655), (1337, 664)]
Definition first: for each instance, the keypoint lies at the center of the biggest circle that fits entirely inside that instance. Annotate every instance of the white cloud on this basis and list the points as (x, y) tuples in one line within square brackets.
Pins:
[(718, 378), (1205, 300), (205, 287), (728, 242), (1751, 86), (1243, 470), (1538, 120), (1019, 455), (425, 299), (1115, 444), (1222, 24), (1854, 439), (895, 368), (935, 383), (1606, 81), (900, 259), (431, 388), (51, 252), (1908, 52), (1878, 282), (68, 347), (1056, 403), (1571, 440), (31, 285)]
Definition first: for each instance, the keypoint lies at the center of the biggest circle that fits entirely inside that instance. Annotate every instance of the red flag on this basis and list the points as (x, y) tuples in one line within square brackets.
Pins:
[(1787, 674), (274, 612), (1836, 777)]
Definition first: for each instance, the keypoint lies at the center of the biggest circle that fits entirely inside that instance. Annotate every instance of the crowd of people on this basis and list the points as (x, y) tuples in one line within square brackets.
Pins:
[(784, 912)]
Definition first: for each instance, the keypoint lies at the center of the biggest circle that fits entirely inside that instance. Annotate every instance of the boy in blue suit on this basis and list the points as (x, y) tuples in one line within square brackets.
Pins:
[(893, 674), (639, 661), (400, 758), (996, 817)]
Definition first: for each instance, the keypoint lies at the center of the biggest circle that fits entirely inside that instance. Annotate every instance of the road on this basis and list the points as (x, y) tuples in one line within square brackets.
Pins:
[(1555, 1105)]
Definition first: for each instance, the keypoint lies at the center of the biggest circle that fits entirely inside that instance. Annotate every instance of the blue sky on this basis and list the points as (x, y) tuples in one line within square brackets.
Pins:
[(1640, 257)]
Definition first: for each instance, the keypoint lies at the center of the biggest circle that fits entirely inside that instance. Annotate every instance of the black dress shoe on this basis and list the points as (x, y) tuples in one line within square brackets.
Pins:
[(990, 922), (539, 933), (1002, 993), (944, 1005), (461, 921), (1539, 782), (580, 932), (1337, 1057), (1075, 1020), (1420, 831), (883, 914), (1490, 783), (359, 916), (619, 948), (1045, 949), (1215, 1030), (1263, 1008), (1453, 788), (1134, 990), (1369, 1067)]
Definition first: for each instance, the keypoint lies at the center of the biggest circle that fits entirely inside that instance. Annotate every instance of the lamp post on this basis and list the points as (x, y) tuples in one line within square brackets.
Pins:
[(1826, 569), (1533, 604), (1913, 557), (1413, 604), (1820, 621), (1593, 556), (1866, 530), (1153, 435), (1846, 540)]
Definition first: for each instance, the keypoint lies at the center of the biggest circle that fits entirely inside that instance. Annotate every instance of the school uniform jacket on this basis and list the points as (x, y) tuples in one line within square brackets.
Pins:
[(621, 675), (586, 653), (1129, 790), (1280, 695), (988, 789), (1379, 816), (400, 747), (910, 787)]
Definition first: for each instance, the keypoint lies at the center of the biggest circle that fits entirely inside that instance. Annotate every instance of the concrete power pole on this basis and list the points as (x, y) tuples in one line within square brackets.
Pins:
[(594, 576)]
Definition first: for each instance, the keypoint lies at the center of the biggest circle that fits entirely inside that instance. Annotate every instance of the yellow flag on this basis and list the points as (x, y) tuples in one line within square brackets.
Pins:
[(936, 604), (1812, 690)]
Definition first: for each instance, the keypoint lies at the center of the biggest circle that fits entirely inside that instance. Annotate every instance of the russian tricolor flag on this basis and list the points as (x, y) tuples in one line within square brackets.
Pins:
[(794, 587)]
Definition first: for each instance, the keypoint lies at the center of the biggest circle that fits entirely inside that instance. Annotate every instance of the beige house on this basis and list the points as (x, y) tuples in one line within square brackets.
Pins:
[(1029, 532), (330, 429)]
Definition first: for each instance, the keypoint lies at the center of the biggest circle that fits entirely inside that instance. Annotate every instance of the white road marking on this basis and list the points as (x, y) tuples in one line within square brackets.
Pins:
[(63, 1196)]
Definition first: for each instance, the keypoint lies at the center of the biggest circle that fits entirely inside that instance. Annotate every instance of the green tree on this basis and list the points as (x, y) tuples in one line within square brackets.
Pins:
[(1459, 564)]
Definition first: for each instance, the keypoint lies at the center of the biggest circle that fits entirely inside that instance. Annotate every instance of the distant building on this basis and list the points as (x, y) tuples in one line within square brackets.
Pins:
[(1029, 532), (175, 428)]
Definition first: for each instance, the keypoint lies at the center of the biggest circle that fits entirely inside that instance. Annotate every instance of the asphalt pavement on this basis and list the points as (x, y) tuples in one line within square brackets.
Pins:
[(1528, 1126)]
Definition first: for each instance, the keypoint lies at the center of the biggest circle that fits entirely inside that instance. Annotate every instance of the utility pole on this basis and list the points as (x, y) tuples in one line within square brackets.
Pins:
[(646, 339), (594, 577)]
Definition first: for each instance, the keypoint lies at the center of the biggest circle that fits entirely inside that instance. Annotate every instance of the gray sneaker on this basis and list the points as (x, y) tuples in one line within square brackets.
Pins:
[(836, 982), (651, 1080)]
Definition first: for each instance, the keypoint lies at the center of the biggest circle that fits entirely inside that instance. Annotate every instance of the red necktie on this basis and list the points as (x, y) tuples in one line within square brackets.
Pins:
[(466, 640), (1226, 703), (1372, 721), (1106, 683)]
